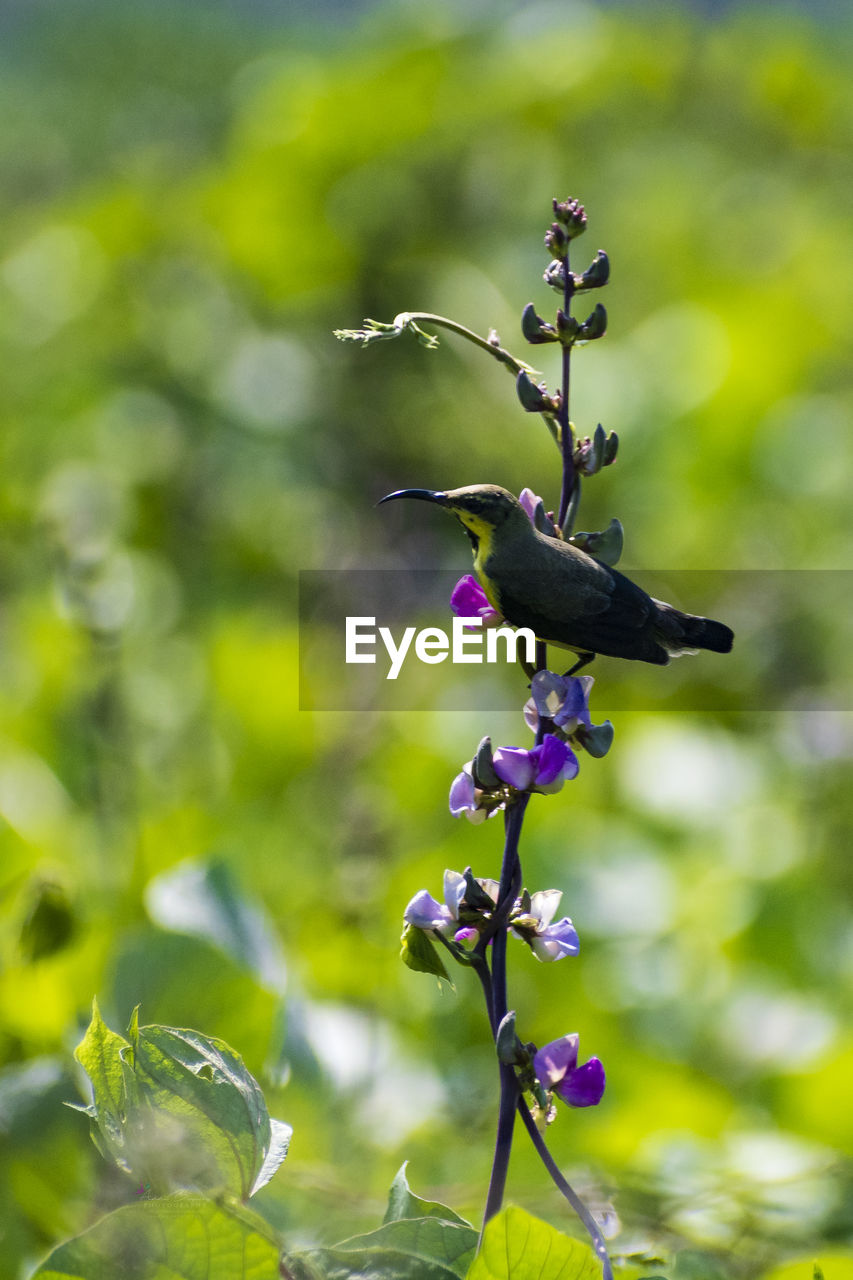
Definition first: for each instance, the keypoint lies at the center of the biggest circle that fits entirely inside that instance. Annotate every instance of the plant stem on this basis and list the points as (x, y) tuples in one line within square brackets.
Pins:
[(503, 1143), (495, 991), (500, 353), (566, 436), (510, 884), (566, 1190)]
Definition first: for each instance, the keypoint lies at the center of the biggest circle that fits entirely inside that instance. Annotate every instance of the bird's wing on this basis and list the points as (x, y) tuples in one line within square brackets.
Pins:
[(574, 600)]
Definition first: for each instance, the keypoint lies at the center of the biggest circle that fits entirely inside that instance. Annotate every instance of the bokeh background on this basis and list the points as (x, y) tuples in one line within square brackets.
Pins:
[(192, 197)]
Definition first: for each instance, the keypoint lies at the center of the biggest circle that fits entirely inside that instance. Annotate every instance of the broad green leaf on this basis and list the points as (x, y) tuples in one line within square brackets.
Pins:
[(376, 1264), (419, 1240), (179, 1238), (403, 1203), (450, 1244), (204, 1122), (517, 1246), (179, 1110)]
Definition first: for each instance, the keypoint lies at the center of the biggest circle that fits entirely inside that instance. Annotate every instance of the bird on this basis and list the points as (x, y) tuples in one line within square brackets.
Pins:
[(567, 597)]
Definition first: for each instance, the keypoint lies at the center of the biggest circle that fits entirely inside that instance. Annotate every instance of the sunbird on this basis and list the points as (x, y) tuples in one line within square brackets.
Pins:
[(565, 596)]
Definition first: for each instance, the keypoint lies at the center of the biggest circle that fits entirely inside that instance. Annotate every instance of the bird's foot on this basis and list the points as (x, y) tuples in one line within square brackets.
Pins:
[(583, 660)]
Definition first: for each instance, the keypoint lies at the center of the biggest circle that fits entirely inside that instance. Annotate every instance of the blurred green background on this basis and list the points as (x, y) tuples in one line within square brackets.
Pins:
[(191, 198)]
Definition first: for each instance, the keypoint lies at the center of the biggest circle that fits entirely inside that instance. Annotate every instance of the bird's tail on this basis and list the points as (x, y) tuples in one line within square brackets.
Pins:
[(680, 632)]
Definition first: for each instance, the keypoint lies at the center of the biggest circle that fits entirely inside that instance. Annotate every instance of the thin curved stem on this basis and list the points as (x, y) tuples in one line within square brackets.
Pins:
[(566, 1190), (500, 353)]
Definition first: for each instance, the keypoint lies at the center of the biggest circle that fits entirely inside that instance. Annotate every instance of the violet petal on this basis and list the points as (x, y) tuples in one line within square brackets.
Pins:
[(468, 599), (552, 1061), (425, 913), (584, 1086), (515, 766), (550, 759), (556, 941), (462, 794)]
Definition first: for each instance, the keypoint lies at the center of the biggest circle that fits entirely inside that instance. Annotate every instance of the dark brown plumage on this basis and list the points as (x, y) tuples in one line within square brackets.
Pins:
[(568, 598)]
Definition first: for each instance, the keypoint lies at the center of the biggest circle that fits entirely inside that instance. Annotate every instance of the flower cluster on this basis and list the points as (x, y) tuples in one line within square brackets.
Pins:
[(494, 779), (469, 905), (564, 701)]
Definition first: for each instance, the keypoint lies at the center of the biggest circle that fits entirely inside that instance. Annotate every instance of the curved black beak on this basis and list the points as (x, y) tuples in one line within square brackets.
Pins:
[(426, 495)]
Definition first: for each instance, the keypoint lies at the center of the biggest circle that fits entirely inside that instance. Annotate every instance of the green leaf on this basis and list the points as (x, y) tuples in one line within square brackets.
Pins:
[(403, 1203), (179, 1238), (204, 1122), (517, 1246), (433, 1240), (180, 1110), (100, 1055), (419, 1240), (420, 954), (401, 1251), (280, 1135)]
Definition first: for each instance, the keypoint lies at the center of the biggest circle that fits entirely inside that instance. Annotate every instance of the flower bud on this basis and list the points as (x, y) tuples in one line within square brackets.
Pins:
[(556, 241), (533, 398), (595, 739), (596, 274), (555, 275), (509, 1047), (476, 898), (589, 453), (536, 513), (605, 546), (571, 215), (568, 328), (595, 325), (482, 769), (534, 328)]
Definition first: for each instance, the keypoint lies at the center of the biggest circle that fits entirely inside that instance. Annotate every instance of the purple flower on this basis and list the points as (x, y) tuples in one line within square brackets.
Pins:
[(562, 699), (529, 500), (465, 797), (534, 509), (425, 912), (565, 701), (556, 1068), (547, 941), (544, 768), (469, 600)]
